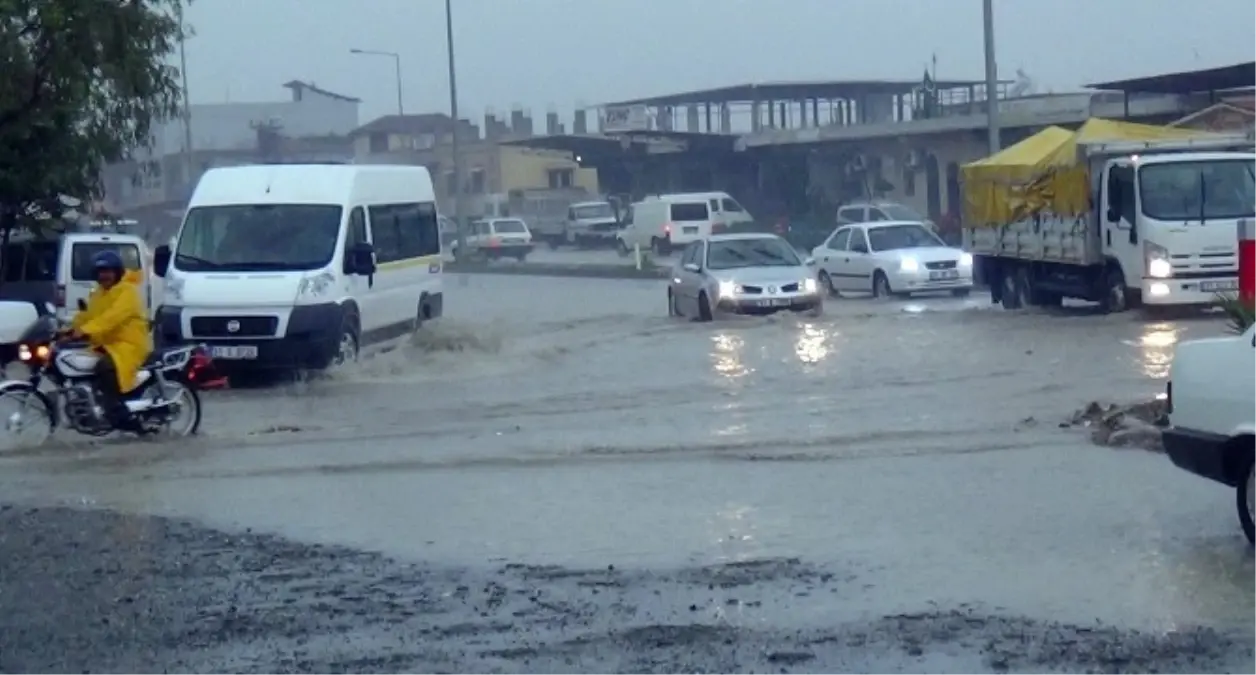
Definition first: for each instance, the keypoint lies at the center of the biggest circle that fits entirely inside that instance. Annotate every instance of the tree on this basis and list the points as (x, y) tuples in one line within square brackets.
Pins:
[(84, 82)]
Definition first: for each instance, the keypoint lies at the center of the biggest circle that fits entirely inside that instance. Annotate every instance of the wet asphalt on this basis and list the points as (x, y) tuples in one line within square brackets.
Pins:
[(556, 477)]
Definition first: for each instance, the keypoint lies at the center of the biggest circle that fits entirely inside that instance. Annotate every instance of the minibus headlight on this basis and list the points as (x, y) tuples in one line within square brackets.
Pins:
[(316, 285)]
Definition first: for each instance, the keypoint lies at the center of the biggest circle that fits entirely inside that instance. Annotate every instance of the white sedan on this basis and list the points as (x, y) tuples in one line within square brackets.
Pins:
[(888, 258)]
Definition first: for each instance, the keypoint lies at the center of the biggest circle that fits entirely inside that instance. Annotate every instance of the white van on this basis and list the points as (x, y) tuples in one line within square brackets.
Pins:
[(59, 269), (664, 222), (301, 266)]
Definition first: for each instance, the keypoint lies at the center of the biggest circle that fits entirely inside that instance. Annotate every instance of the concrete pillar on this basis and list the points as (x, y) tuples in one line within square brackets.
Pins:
[(726, 119), (771, 114)]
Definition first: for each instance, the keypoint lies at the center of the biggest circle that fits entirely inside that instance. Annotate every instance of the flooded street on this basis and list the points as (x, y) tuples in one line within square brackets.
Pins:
[(887, 470)]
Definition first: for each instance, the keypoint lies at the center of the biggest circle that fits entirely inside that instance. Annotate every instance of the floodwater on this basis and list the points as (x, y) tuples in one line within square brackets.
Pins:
[(911, 446)]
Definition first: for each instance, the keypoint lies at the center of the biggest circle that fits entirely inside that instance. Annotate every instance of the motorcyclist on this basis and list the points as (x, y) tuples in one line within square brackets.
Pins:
[(114, 324)]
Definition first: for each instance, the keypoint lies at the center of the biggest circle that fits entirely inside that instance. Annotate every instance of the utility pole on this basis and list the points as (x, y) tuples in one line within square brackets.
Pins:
[(459, 209), (187, 107), (992, 79)]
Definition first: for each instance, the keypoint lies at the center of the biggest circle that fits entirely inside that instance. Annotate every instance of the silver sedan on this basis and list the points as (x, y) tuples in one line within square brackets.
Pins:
[(741, 273)]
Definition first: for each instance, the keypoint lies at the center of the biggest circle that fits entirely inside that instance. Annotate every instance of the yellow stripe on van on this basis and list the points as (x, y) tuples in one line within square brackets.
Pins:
[(424, 260)]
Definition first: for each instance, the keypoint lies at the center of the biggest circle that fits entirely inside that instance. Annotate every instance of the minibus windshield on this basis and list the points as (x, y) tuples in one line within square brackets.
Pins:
[(258, 237)]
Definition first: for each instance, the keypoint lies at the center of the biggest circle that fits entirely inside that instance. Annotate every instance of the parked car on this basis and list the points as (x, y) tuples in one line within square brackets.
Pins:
[(1212, 415), (891, 258), (497, 238), (741, 273)]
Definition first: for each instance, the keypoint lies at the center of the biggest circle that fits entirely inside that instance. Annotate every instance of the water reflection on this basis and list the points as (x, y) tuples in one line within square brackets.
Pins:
[(726, 355), (812, 344), (734, 530), (1157, 344)]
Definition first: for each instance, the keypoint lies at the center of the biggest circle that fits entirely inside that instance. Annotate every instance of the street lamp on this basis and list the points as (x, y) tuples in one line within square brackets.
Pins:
[(992, 78), (401, 110), (459, 211)]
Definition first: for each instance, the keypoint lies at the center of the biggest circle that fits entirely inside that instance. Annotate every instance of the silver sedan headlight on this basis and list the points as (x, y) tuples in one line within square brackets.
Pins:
[(908, 265), (809, 285), (727, 289)]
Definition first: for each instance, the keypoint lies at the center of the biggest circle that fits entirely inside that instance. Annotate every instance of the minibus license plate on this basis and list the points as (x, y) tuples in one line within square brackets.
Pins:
[(690, 230), (233, 352), (1215, 286)]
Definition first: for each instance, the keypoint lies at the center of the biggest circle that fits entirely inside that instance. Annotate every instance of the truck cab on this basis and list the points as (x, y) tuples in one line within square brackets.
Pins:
[(1169, 220)]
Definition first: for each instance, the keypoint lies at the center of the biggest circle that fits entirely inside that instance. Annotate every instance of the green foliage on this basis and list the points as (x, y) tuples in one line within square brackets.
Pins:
[(84, 83), (1240, 313)]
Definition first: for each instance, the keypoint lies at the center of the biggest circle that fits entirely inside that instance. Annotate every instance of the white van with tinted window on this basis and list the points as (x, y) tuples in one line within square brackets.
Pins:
[(302, 266), (664, 222), (58, 269)]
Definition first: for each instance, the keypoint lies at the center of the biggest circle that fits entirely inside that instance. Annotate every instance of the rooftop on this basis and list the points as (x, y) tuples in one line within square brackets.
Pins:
[(425, 123), (764, 91), (1237, 76), (297, 85)]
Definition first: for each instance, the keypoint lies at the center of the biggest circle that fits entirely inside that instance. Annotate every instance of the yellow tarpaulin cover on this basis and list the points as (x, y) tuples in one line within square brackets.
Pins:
[(1043, 171)]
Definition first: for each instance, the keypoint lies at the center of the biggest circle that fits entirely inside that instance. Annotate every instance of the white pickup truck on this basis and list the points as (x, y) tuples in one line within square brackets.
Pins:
[(1159, 231), (1212, 414)]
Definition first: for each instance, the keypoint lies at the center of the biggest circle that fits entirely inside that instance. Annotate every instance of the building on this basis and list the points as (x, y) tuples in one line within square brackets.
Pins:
[(232, 133), (490, 164)]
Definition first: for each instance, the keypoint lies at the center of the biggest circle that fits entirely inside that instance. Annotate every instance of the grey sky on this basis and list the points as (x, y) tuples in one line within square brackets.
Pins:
[(542, 52)]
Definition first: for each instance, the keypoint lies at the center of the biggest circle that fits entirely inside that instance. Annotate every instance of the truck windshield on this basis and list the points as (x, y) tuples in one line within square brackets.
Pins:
[(591, 211), (258, 238), (1201, 190)]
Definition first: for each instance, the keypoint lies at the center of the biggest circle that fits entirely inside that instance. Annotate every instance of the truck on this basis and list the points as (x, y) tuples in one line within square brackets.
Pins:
[(1103, 217), (544, 210)]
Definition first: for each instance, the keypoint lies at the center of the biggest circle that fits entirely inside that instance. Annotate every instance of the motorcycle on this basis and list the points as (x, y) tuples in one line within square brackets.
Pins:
[(165, 389)]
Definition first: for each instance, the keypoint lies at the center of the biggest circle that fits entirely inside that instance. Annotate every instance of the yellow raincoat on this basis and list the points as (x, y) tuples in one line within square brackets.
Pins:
[(114, 321)]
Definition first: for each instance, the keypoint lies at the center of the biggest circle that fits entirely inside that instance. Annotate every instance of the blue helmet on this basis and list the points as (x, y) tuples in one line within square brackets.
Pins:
[(107, 260)]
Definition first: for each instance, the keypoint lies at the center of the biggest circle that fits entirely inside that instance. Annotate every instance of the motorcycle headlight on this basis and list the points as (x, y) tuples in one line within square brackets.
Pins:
[(909, 265)]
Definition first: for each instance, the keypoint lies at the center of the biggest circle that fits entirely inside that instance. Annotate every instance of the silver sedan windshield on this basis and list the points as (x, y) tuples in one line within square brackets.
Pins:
[(765, 252)]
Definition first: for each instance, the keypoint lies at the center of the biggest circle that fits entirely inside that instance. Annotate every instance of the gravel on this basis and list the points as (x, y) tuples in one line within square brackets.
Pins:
[(96, 591)]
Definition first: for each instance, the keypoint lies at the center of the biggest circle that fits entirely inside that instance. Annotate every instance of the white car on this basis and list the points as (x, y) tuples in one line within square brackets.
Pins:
[(891, 258), (496, 238), (1212, 406), (741, 273)]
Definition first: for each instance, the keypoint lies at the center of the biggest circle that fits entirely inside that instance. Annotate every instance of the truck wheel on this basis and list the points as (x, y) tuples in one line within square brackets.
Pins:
[(1244, 497), (660, 246), (1115, 298), (555, 241), (1011, 295)]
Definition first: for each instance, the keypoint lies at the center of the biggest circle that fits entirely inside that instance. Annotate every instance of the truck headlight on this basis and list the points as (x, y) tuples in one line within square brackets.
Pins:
[(1157, 260), (909, 265)]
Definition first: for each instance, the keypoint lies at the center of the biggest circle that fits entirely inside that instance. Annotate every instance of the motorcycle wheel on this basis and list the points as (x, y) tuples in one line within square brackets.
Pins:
[(26, 410), (189, 401)]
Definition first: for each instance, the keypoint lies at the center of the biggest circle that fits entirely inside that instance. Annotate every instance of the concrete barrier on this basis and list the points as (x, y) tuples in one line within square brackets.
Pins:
[(575, 270)]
